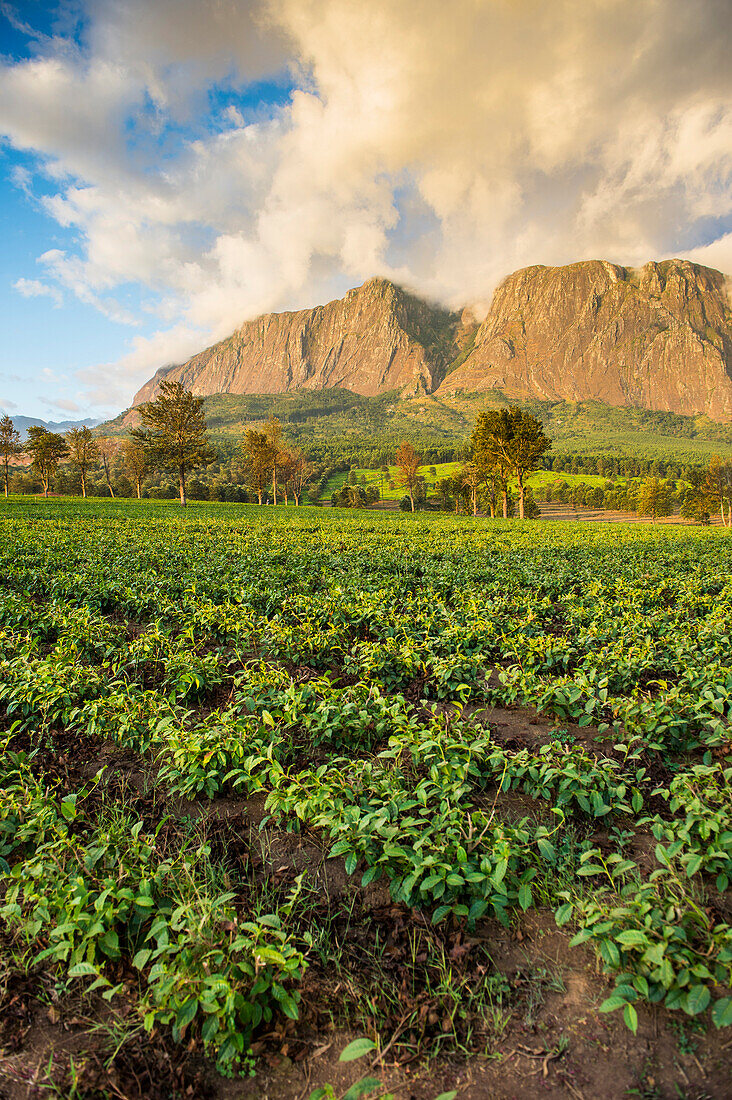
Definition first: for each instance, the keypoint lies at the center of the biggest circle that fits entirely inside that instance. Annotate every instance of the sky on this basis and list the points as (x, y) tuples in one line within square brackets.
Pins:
[(171, 168)]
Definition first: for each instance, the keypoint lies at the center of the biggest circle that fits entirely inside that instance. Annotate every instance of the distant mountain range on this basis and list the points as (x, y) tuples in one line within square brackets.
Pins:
[(23, 423), (657, 337)]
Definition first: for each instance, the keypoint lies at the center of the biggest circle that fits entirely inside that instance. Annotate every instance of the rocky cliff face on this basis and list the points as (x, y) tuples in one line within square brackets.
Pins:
[(658, 337), (377, 338)]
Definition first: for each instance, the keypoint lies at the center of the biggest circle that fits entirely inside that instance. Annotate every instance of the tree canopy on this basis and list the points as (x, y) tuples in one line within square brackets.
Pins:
[(10, 446), (174, 432), (46, 450), (509, 440)]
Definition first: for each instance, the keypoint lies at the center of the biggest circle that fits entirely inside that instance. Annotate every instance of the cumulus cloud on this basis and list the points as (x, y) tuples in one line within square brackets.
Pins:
[(34, 288), (440, 145)]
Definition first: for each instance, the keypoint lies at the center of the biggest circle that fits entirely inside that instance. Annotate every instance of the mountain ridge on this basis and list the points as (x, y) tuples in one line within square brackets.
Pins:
[(656, 337), (23, 423)]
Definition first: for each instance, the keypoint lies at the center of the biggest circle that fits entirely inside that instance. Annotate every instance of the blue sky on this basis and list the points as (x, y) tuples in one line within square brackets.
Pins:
[(170, 168)]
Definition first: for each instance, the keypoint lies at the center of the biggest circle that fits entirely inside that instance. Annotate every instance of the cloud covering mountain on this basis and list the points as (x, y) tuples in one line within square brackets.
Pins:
[(229, 158)]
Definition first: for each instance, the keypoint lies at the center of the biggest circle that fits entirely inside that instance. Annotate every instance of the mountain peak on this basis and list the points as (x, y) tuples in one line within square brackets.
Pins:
[(659, 336)]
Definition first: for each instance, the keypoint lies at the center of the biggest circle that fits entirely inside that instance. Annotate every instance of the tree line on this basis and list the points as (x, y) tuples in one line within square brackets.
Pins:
[(172, 436), (700, 495)]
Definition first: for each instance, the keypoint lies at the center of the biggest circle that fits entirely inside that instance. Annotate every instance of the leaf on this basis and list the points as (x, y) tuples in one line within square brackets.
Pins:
[(361, 1088), (524, 896), (693, 864), (186, 1013), (447, 1095), (616, 1000), (82, 970), (547, 849), (357, 1049), (697, 1000), (610, 954), (564, 914), (631, 1018), (632, 938), (722, 1012)]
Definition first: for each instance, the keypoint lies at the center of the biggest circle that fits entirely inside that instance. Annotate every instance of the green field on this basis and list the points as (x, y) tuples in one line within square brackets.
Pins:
[(365, 478), (276, 779)]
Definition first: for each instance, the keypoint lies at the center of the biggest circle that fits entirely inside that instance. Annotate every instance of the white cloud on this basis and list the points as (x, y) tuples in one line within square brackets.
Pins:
[(443, 145), (34, 288), (7, 406), (62, 404)]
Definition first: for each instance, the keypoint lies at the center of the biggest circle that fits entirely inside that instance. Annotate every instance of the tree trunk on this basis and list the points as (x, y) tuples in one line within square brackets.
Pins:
[(83, 483), (259, 494), (182, 486), (274, 484), (138, 485), (6, 479), (520, 479), (504, 495), (475, 501), (297, 498), (411, 499), (106, 475)]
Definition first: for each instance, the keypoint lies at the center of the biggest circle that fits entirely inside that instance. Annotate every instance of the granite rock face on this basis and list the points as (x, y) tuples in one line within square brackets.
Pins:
[(658, 337), (377, 338)]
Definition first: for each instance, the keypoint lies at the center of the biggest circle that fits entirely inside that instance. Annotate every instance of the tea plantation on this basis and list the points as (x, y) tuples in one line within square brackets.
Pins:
[(270, 775)]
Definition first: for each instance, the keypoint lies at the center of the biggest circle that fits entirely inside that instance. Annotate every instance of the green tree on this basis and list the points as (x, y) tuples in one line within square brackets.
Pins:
[(471, 478), (509, 440), (278, 451), (655, 498), (46, 451), (717, 487), (256, 461), (135, 460), (174, 432), (10, 446), (407, 461), (83, 452)]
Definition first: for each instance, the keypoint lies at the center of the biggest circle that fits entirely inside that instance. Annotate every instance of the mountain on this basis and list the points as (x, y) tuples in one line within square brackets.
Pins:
[(377, 338), (658, 337), (23, 423)]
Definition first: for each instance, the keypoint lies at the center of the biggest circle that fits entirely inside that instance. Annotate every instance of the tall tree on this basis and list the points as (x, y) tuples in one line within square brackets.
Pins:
[(717, 487), (407, 462), (83, 452), (134, 457), (108, 449), (510, 439), (10, 446), (279, 454), (298, 472), (471, 477), (174, 432), (46, 450), (655, 499), (256, 460)]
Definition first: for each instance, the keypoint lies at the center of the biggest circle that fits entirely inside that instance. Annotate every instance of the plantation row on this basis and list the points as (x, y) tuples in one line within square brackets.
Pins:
[(342, 668)]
